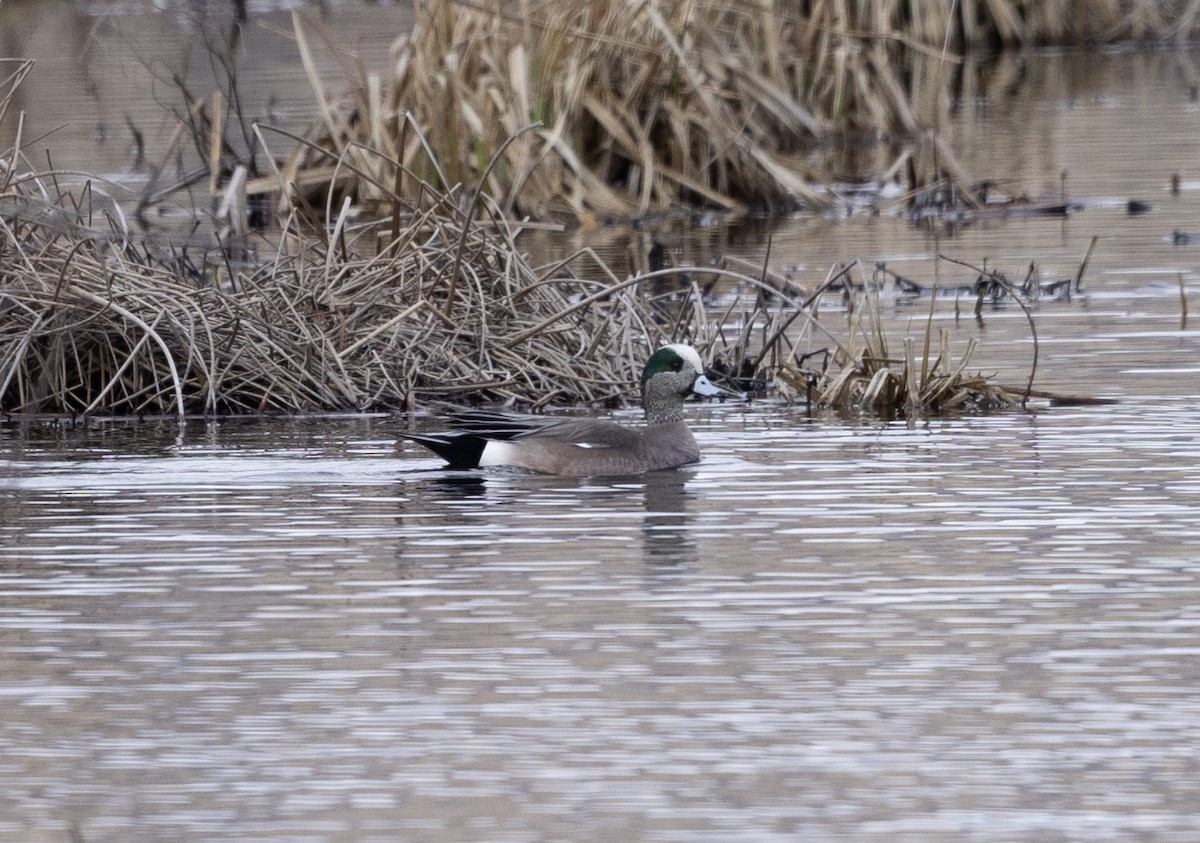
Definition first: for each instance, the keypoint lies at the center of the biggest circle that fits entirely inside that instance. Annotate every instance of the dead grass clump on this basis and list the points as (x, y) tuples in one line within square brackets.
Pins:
[(924, 378), (782, 345), (92, 323), (634, 106), (435, 302), (449, 309), (637, 106)]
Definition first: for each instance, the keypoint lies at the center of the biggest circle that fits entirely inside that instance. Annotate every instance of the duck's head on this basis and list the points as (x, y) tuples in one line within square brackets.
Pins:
[(672, 374)]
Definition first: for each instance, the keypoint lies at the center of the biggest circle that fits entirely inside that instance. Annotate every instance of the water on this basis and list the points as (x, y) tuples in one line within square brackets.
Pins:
[(971, 629), (982, 628)]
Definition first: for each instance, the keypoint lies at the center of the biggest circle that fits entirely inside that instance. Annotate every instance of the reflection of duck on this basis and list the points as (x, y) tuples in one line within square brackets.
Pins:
[(665, 534), (585, 447)]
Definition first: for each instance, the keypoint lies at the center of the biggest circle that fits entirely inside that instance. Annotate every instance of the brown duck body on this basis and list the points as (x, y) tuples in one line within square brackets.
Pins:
[(585, 447)]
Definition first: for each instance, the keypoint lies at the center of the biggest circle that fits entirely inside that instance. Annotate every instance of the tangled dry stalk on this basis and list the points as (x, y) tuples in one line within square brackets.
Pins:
[(918, 381), (435, 301), (91, 321), (635, 106)]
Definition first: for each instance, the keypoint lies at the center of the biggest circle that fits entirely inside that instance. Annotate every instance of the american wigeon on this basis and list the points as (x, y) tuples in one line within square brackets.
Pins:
[(586, 447)]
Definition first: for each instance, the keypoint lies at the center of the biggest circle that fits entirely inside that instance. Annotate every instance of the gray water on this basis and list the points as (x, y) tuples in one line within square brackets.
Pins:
[(974, 629), (983, 628)]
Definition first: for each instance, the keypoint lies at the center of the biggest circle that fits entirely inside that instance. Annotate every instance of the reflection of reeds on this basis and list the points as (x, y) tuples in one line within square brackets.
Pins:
[(1183, 304)]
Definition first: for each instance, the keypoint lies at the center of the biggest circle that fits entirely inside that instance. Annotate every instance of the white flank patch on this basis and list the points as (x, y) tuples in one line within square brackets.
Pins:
[(497, 453)]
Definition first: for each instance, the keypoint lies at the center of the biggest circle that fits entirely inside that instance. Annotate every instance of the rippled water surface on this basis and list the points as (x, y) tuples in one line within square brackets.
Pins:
[(973, 629), (980, 629)]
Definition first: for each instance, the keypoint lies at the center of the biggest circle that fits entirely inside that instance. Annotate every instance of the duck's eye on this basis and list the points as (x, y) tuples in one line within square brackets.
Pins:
[(676, 364)]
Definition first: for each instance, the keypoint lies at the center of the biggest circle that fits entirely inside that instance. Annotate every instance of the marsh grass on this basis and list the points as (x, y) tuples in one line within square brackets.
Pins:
[(497, 112), (92, 323), (434, 302), (449, 310), (621, 108), (616, 108), (860, 365), (923, 376)]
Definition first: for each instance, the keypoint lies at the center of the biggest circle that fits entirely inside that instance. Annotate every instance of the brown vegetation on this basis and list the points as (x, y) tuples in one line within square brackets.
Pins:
[(542, 109), (93, 321), (615, 108)]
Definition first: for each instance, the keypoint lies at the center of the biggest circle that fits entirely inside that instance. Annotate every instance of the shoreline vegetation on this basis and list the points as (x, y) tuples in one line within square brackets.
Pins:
[(497, 114), (96, 323), (612, 110)]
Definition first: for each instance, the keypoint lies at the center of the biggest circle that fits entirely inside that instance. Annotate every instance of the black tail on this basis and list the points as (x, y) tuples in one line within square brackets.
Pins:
[(460, 450)]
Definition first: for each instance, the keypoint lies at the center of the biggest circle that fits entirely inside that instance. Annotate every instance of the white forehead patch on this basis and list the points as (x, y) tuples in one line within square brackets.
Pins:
[(689, 354)]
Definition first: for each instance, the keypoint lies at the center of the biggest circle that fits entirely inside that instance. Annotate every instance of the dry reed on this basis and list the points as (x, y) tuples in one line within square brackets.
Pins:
[(635, 107), (94, 323), (434, 302), (858, 370)]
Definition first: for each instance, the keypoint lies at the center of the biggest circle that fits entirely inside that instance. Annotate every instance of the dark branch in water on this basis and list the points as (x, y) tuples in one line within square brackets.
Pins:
[(1003, 282)]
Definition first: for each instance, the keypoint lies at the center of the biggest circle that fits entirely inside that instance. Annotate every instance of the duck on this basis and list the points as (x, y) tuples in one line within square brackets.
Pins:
[(575, 447)]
